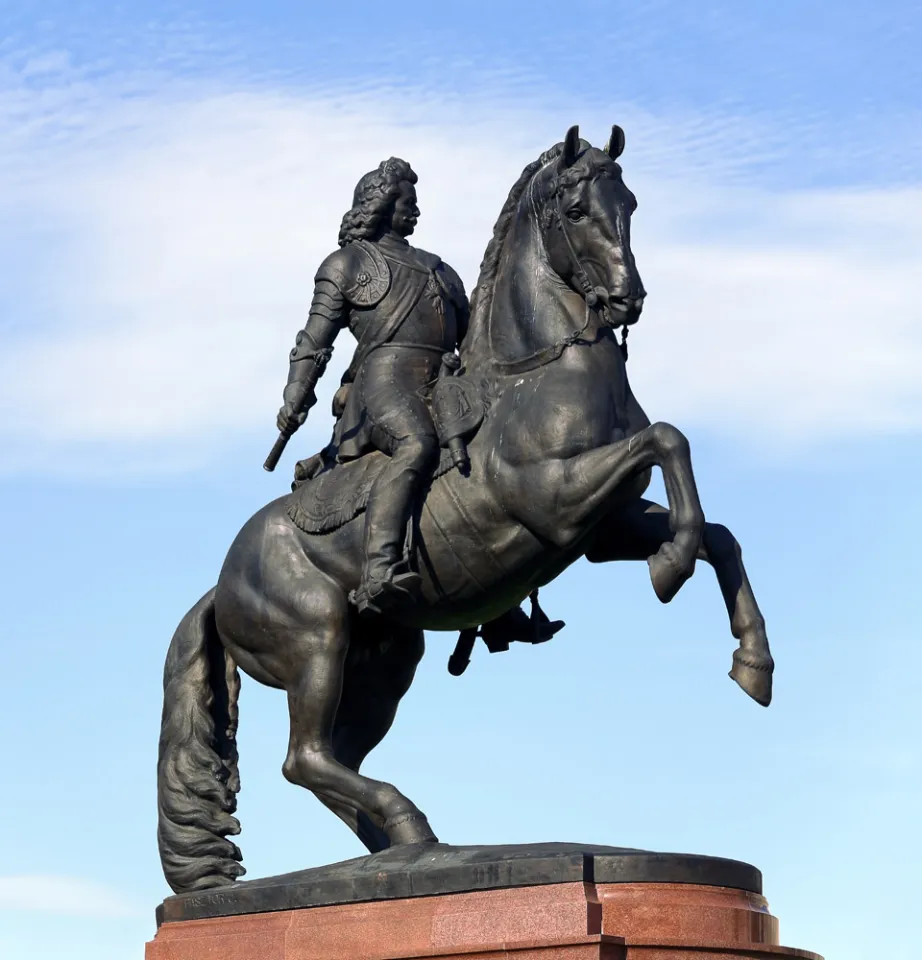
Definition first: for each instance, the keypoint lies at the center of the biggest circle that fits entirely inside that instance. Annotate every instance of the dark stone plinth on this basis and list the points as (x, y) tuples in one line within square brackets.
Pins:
[(423, 870)]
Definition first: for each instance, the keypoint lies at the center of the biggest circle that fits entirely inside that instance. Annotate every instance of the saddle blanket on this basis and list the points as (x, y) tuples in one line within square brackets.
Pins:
[(340, 492)]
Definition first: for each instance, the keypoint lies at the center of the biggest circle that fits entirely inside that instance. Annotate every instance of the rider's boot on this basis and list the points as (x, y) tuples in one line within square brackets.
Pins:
[(387, 580), (381, 589), (516, 626)]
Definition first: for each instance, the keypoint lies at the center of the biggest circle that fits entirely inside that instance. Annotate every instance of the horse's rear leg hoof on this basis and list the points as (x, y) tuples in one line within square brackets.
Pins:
[(669, 570), (754, 675), (409, 828)]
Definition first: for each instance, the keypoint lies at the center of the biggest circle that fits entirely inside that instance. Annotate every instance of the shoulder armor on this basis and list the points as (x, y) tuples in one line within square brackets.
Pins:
[(451, 284), (359, 271)]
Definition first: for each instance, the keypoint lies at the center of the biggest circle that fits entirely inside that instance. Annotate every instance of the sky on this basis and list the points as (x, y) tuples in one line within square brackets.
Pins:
[(171, 175)]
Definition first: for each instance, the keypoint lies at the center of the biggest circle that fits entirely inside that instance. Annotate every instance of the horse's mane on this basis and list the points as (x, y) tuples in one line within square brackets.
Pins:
[(482, 294)]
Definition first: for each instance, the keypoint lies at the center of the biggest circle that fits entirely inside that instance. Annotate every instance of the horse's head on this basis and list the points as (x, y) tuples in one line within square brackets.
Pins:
[(586, 222), (566, 223)]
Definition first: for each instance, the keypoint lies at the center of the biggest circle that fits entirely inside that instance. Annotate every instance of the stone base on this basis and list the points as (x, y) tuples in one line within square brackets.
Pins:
[(582, 919)]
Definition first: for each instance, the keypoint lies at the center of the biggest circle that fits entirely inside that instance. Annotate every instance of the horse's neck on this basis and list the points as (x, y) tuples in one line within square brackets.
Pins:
[(532, 307)]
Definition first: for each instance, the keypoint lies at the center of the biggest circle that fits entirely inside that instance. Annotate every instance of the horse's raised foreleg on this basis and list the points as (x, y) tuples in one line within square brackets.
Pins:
[(315, 668), (379, 669), (638, 530), (557, 498)]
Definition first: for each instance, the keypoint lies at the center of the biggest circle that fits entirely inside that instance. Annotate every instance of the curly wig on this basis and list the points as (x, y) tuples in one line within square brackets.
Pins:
[(374, 198)]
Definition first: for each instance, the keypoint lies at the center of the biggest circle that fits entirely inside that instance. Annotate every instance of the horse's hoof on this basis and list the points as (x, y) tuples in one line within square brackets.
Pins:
[(409, 828), (668, 573), (754, 675)]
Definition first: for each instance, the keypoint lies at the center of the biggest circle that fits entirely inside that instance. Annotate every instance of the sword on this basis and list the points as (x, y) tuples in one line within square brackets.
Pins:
[(457, 446)]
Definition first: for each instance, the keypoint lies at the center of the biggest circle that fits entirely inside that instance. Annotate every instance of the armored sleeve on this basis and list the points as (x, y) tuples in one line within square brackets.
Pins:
[(329, 313)]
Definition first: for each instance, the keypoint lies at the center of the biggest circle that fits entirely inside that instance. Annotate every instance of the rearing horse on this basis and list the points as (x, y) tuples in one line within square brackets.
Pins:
[(557, 472)]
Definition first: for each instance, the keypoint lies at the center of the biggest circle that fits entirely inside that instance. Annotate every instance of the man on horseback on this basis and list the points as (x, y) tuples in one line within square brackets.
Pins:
[(407, 309), (409, 313)]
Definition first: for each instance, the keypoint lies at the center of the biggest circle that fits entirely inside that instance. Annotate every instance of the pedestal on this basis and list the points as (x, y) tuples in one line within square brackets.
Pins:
[(544, 902)]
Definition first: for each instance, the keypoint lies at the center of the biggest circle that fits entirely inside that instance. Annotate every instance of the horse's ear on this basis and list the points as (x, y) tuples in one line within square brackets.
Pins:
[(615, 146), (570, 147)]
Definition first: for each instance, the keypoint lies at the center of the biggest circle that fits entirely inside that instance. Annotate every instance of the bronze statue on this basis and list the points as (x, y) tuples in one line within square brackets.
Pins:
[(496, 476)]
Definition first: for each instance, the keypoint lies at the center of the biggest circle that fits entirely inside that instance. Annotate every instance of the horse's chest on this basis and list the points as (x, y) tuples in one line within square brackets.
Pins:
[(560, 413)]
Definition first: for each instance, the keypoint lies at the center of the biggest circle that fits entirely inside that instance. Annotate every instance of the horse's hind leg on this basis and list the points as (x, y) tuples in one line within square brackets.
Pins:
[(380, 667), (638, 530), (316, 653)]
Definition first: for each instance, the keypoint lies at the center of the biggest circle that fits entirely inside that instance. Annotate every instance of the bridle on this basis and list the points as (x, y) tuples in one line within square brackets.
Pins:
[(553, 352), (582, 277)]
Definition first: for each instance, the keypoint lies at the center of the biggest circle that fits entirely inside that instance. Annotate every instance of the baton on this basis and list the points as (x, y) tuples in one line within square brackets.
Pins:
[(303, 399)]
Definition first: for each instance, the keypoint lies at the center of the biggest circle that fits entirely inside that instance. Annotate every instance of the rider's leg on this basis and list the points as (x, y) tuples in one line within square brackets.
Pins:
[(390, 507)]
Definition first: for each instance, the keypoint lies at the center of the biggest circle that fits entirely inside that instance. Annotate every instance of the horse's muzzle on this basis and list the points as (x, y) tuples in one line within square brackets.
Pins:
[(622, 310)]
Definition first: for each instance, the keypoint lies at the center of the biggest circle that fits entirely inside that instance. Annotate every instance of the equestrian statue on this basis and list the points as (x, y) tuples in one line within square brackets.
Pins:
[(479, 450)]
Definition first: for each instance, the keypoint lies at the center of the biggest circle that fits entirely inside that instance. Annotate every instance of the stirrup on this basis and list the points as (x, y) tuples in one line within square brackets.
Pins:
[(375, 595)]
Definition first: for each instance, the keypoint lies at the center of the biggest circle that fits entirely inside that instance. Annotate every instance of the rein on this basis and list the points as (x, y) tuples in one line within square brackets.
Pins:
[(553, 352), (547, 355)]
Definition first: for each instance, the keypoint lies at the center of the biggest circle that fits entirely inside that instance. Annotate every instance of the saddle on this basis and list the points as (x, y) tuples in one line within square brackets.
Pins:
[(328, 493)]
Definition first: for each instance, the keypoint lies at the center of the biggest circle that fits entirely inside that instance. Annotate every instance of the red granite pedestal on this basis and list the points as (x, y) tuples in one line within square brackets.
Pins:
[(557, 921)]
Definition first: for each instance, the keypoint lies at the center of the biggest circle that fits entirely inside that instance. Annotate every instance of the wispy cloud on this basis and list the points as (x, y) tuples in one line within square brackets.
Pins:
[(70, 896), (158, 253)]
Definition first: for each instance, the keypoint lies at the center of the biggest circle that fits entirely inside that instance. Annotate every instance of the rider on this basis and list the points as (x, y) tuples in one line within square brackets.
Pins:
[(407, 309)]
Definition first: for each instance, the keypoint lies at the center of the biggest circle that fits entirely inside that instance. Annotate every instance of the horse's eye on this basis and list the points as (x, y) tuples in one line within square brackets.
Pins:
[(574, 215)]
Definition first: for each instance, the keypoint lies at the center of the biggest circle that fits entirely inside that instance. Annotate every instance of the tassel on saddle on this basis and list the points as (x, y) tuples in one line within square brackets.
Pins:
[(514, 626)]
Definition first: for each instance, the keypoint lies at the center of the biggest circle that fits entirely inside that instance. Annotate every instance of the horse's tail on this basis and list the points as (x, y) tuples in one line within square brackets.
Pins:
[(197, 777)]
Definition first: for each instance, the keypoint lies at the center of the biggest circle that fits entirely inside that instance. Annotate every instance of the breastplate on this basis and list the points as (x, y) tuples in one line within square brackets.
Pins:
[(431, 323)]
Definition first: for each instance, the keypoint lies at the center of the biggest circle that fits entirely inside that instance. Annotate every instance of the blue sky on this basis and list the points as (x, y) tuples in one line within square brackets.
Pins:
[(159, 229)]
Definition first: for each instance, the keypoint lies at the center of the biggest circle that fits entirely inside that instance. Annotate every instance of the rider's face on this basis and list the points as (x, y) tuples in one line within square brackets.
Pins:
[(406, 212)]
